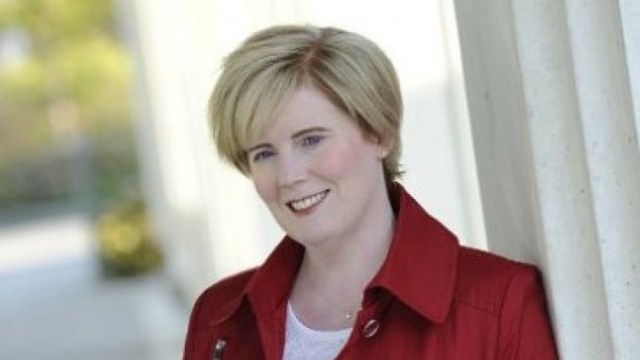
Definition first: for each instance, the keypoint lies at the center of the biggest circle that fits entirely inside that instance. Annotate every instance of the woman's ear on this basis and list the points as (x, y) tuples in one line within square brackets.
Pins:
[(385, 145)]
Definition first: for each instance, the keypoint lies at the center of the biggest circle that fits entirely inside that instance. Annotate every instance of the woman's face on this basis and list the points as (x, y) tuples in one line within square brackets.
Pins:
[(315, 170)]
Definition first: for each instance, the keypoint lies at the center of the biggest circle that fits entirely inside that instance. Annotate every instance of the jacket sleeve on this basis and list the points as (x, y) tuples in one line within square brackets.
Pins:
[(525, 329)]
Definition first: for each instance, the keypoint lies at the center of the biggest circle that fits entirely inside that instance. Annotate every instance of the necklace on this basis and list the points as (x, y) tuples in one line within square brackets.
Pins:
[(348, 317)]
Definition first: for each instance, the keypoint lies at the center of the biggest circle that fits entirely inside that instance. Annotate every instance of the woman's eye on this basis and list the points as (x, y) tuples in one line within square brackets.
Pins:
[(261, 155), (311, 140)]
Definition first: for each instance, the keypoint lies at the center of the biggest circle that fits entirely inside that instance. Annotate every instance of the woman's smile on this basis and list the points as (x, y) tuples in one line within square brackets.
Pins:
[(307, 203)]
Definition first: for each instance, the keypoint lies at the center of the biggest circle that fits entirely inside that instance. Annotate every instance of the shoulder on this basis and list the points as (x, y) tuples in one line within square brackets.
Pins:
[(485, 281), (214, 305), (512, 294), (220, 299), (228, 288)]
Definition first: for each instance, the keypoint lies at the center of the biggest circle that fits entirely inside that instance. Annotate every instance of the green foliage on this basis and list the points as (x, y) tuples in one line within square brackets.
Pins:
[(126, 246), (73, 80), (65, 122), (55, 22)]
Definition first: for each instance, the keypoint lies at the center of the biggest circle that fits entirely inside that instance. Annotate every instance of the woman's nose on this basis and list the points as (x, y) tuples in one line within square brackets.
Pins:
[(291, 170)]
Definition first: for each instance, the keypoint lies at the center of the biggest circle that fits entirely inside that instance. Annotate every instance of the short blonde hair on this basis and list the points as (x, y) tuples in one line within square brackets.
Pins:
[(271, 64)]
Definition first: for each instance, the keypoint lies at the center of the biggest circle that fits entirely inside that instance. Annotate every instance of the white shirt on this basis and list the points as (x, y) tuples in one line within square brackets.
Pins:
[(303, 343)]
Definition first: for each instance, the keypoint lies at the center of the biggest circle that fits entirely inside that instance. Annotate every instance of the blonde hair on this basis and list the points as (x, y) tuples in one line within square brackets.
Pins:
[(271, 64)]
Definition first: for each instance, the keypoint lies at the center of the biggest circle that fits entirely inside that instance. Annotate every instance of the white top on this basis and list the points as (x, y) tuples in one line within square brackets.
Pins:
[(303, 343)]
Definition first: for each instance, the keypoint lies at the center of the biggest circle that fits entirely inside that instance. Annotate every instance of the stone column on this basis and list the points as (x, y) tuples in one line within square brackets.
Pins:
[(550, 87)]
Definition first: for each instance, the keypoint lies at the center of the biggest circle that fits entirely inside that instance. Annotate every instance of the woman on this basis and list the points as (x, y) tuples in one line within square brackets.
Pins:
[(312, 116)]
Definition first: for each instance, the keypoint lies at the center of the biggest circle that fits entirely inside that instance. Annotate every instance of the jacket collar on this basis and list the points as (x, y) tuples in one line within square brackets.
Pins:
[(270, 287), (420, 268)]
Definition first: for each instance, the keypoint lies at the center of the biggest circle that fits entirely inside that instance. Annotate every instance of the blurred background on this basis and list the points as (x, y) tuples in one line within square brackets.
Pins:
[(80, 270), (114, 210)]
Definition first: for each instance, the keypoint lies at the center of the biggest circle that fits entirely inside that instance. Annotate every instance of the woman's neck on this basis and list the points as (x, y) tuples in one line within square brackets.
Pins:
[(335, 272)]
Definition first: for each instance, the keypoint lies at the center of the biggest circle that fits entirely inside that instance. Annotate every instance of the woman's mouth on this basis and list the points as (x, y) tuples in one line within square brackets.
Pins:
[(307, 202)]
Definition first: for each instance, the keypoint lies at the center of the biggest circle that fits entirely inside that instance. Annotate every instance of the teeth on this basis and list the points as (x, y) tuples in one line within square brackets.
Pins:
[(308, 202)]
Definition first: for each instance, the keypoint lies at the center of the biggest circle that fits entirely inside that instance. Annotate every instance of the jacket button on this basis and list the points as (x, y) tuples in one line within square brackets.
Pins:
[(371, 328)]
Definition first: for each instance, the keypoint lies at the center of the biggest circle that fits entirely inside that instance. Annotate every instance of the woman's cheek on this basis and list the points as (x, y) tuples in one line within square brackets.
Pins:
[(264, 185), (336, 163)]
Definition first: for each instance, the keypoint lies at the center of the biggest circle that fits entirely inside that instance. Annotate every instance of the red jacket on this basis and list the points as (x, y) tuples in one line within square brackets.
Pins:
[(431, 299)]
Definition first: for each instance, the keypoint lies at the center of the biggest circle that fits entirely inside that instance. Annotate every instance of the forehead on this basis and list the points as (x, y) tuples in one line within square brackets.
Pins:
[(307, 106)]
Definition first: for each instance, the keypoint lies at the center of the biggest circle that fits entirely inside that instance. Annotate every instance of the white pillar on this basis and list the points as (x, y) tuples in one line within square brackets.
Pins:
[(550, 89)]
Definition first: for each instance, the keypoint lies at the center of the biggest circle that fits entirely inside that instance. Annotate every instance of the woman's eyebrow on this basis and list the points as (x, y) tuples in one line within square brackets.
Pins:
[(303, 132)]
